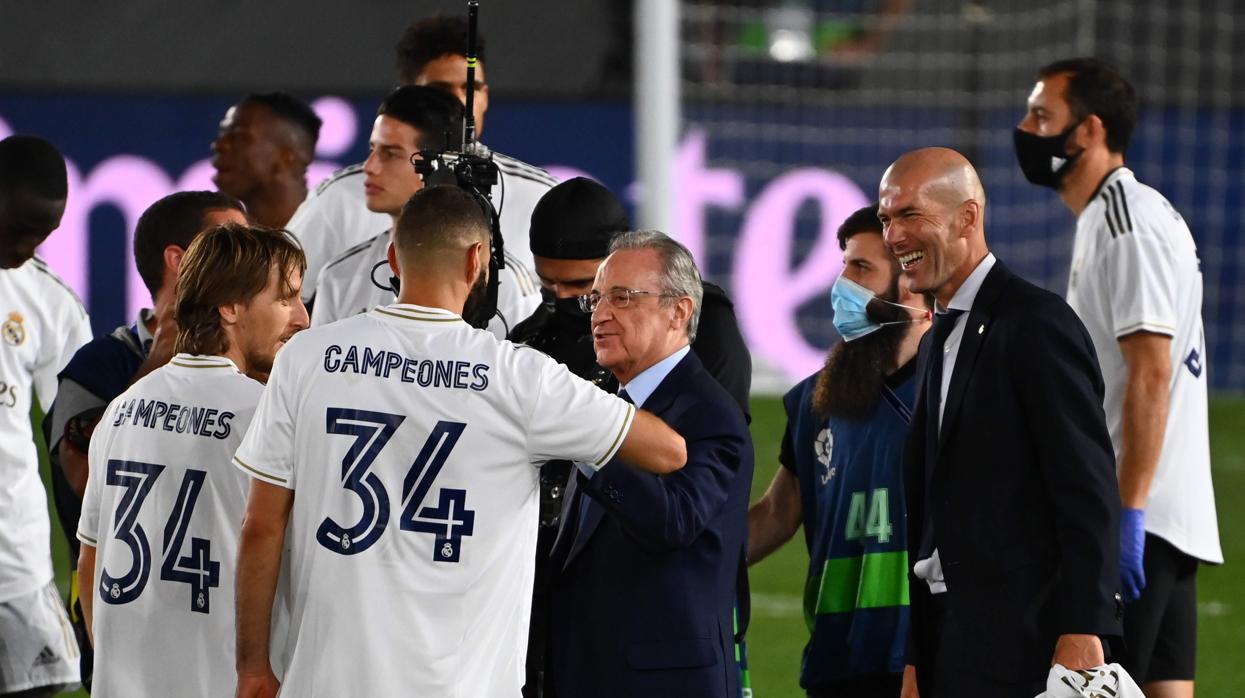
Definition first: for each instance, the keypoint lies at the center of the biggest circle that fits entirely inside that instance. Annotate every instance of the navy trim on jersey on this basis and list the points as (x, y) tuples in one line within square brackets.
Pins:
[(518, 168), (1128, 219), (346, 171), (42, 266), (1106, 212), (1103, 183), (523, 277), (350, 252), (1115, 210)]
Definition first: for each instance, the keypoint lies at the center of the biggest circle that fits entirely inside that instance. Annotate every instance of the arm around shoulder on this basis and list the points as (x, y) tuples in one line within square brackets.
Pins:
[(651, 445), (670, 512)]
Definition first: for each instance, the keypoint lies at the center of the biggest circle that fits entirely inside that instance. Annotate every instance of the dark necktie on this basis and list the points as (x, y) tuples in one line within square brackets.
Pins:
[(944, 323)]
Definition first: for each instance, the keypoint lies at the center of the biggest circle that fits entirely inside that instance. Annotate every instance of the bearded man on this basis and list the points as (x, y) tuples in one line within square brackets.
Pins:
[(842, 475)]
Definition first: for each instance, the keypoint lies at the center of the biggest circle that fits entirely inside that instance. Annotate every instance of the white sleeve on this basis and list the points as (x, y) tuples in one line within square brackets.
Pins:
[(518, 296), (63, 337), (267, 450), (1139, 275), (328, 296), (570, 418), (89, 518), (311, 226)]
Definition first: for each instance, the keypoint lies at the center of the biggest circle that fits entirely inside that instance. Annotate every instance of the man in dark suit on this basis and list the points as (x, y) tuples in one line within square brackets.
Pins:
[(1013, 513), (645, 594)]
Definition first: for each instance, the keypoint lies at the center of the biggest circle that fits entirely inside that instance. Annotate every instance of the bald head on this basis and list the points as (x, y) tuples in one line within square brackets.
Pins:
[(945, 174), (932, 208)]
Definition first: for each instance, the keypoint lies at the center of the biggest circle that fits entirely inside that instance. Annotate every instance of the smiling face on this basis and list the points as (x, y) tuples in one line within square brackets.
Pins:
[(391, 179), (26, 220), (631, 339), (268, 320), (923, 231)]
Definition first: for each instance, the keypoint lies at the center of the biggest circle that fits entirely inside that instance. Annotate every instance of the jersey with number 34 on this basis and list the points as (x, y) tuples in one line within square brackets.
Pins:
[(163, 508), (411, 442)]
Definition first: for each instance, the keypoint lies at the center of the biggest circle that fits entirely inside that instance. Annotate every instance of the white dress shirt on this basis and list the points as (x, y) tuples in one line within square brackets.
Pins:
[(930, 569)]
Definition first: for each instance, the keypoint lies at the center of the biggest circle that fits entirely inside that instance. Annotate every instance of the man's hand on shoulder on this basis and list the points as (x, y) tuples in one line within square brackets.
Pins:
[(1076, 652)]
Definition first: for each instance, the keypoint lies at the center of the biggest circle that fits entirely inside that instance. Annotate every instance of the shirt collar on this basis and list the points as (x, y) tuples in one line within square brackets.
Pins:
[(967, 292), (145, 337), (420, 313), (203, 361), (1109, 177), (642, 386)]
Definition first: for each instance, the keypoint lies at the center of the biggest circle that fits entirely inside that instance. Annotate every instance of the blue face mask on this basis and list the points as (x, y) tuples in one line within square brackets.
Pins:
[(851, 310)]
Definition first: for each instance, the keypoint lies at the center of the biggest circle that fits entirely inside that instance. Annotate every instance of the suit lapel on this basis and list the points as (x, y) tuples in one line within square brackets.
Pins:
[(657, 403), (588, 526), (976, 329), (568, 519)]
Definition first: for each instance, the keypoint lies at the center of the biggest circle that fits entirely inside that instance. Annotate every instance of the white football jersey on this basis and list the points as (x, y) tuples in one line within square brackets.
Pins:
[(335, 217), (346, 287), (1135, 268), (412, 443), (42, 324), (163, 508)]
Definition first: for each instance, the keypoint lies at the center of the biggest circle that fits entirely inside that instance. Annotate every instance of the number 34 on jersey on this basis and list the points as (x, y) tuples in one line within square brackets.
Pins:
[(446, 517)]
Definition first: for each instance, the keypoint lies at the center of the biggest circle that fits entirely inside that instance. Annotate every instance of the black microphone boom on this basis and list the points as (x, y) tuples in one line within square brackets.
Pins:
[(472, 169)]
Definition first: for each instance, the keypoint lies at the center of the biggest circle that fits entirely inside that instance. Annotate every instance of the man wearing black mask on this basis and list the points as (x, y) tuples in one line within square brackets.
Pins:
[(572, 226), (1136, 283)]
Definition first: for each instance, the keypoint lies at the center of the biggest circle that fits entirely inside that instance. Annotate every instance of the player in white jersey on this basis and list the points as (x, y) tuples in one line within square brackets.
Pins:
[(335, 216), (401, 448), (163, 505), (1136, 283), (410, 119), (42, 324)]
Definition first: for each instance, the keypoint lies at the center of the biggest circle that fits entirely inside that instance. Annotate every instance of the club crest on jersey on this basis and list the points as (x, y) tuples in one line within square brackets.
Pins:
[(13, 330), (823, 446)]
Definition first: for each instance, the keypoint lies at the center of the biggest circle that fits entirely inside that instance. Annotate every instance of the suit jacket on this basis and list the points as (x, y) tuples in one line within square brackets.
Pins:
[(1024, 496), (646, 589)]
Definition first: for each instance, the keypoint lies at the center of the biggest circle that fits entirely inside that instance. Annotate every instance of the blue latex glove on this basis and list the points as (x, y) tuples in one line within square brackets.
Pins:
[(1132, 551)]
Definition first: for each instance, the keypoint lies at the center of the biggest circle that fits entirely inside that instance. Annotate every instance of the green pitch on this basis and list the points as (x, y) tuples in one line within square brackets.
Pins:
[(777, 634)]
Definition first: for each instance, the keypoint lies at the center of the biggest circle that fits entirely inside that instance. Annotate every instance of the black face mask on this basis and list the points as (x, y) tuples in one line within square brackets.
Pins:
[(1044, 159), (567, 307)]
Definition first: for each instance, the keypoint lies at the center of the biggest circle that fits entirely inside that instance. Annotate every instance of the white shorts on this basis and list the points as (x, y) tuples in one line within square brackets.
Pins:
[(37, 645)]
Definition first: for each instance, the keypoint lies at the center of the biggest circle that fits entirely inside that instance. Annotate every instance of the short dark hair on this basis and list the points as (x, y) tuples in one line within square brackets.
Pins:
[(291, 109), (230, 263), (428, 39), (174, 220), (34, 164), (863, 221), (1096, 87), (439, 218), (432, 112)]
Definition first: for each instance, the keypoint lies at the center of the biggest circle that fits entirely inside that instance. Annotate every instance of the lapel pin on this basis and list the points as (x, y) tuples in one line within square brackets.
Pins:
[(981, 329)]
